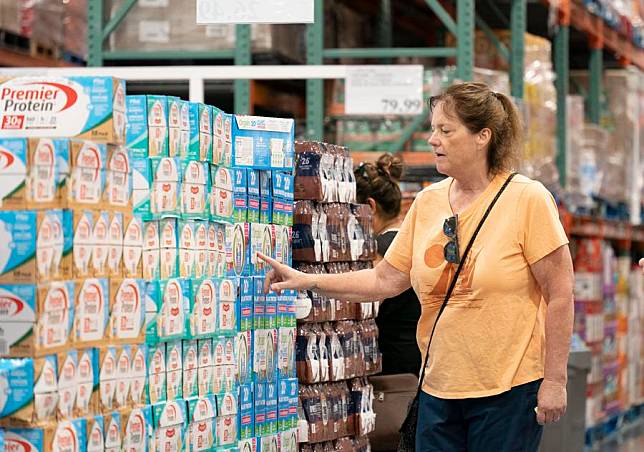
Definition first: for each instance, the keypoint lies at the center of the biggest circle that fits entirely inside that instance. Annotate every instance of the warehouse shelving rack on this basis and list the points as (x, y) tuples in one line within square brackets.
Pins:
[(458, 17)]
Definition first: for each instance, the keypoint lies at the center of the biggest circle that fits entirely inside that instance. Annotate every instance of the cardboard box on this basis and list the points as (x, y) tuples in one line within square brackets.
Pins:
[(260, 409), (87, 378), (32, 246), (238, 249), (271, 408), (88, 174), (34, 172), (170, 421), (48, 439), (262, 143), (246, 413), (245, 303), (261, 241), (119, 183), (195, 189), (137, 429), (228, 200), (100, 244), (283, 185), (174, 300), (38, 319), (107, 362), (67, 384), (252, 177), (204, 309), (286, 353), (127, 311), (166, 187), (138, 373), (259, 303), (200, 141), (227, 316), (123, 376), (244, 349), (115, 233), (227, 410), (95, 434), (92, 308), (133, 247), (113, 431), (32, 390), (201, 423), (91, 108)]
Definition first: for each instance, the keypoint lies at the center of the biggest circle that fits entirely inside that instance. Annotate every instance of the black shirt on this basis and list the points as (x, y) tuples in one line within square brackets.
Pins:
[(397, 321)]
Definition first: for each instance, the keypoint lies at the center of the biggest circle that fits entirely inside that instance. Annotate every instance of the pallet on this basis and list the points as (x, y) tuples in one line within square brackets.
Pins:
[(13, 41), (37, 49)]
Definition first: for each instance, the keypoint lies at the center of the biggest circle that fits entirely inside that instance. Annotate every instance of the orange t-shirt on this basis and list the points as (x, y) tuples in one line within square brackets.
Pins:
[(491, 336)]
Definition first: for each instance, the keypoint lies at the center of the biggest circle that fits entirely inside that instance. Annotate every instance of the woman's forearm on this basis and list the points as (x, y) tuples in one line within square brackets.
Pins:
[(559, 324), (357, 286)]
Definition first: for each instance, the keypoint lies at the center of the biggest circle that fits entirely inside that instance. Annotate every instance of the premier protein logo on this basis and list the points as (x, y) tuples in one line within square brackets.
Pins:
[(10, 306), (17, 445), (7, 159), (37, 97)]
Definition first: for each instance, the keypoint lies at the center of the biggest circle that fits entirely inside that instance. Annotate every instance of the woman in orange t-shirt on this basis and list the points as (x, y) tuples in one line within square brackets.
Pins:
[(497, 370)]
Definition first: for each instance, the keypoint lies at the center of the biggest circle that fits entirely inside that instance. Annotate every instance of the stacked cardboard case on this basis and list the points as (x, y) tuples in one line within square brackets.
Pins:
[(212, 190), (129, 281), (337, 341), (72, 325)]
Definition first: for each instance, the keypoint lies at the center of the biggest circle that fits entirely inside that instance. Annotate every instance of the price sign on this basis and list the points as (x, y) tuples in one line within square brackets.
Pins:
[(384, 90), (254, 11)]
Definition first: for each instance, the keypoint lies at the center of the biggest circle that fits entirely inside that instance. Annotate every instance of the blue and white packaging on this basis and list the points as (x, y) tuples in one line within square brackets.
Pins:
[(190, 369), (286, 352), (254, 209), (152, 303), (261, 241), (228, 200), (200, 144), (87, 107), (260, 409), (141, 184), (245, 303), (136, 137), (283, 248), (294, 401), (282, 212), (288, 441), (246, 415), (283, 404), (265, 184), (170, 422), (266, 210), (127, 311), (37, 320), (67, 387), (202, 429), (87, 381), (263, 143), (259, 303), (249, 445), (252, 177), (271, 355), (138, 374), (271, 408), (123, 376), (270, 316), (158, 142), (174, 370), (52, 438), (283, 185)]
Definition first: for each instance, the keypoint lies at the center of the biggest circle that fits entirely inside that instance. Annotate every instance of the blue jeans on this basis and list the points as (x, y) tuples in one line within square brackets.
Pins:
[(501, 423)]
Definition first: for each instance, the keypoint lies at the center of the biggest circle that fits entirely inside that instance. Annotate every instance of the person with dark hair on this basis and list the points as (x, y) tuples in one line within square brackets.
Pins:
[(486, 253), (377, 185)]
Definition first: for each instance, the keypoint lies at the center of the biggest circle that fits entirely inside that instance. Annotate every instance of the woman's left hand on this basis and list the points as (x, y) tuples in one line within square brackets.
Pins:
[(552, 401)]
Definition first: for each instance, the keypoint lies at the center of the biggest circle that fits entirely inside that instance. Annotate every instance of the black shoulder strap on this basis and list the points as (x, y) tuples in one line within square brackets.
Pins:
[(452, 284)]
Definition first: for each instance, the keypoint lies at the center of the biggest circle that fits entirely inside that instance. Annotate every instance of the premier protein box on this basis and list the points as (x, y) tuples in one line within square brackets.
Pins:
[(91, 108)]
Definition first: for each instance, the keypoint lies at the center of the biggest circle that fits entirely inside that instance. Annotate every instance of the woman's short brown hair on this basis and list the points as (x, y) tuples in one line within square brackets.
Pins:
[(478, 107)]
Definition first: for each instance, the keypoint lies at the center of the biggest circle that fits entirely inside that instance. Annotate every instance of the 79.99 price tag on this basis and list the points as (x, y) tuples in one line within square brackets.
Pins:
[(384, 90)]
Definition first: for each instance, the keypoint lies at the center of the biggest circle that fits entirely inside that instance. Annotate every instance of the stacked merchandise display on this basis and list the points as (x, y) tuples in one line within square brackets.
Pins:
[(337, 343), (133, 312)]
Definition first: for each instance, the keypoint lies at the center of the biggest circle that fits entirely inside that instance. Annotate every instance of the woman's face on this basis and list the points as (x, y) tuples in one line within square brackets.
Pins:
[(455, 147)]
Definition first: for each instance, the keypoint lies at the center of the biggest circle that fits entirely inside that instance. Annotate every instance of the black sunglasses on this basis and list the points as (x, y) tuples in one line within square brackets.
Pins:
[(450, 250)]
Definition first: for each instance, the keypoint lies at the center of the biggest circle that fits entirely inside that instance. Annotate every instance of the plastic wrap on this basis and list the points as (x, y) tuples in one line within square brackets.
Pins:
[(171, 25), (16, 16), (48, 27)]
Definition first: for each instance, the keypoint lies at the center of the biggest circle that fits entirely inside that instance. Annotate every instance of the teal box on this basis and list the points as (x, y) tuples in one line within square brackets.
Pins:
[(68, 231), (244, 352), (202, 428), (165, 190), (263, 143), (260, 409), (245, 303), (246, 415), (293, 393), (282, 211), (238, 248), (254, 204), (170, 422), (156, 358), (158, 139), (266, 211), (228, 198), (271, 409), (152, 303), (200, 143), (283, 185), (195, 189), (259, 303), (283, 403), (227, 318), (252, 177), (136, 136)]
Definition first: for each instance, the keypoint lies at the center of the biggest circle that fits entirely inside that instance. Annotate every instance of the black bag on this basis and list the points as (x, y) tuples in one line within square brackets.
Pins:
[(408, 430)]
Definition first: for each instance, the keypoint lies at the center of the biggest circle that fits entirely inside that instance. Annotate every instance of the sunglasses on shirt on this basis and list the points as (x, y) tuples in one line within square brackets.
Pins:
[(450, 250)]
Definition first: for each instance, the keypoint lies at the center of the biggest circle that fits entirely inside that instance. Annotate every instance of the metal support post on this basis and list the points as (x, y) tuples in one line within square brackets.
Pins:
[(561, 83), (517, 59), (595, 86), (95, 33), (443, 15), (385, 36), (242, 57), (315, 87), (465, 39)]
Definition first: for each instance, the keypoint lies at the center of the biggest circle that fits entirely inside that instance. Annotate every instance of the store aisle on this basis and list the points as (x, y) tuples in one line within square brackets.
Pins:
[(630, 441)]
